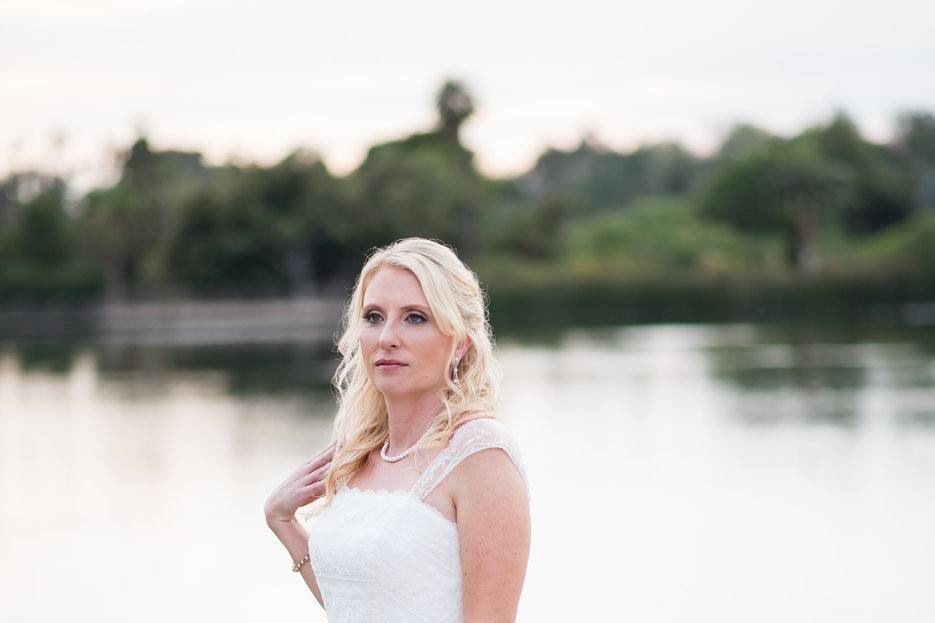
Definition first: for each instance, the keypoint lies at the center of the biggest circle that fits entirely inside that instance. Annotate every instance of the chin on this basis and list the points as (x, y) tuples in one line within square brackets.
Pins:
[(392, 387), (399, 388)]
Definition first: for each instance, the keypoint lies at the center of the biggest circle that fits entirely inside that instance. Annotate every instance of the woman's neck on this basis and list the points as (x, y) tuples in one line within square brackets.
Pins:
[(408, 418)]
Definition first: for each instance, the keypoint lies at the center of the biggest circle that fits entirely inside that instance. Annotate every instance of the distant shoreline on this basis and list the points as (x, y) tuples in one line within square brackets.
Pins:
[(601, 300), (179, 322), (538, 304)]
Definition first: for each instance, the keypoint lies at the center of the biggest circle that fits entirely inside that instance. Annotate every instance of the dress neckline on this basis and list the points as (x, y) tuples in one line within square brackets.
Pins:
[(405, 493), (427, 469)]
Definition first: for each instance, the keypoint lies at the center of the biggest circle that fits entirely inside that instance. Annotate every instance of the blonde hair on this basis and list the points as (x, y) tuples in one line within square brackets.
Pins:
[(459, 306)]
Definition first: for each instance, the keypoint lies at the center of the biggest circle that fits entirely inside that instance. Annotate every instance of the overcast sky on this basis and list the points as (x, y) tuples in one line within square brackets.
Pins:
[(254, 80)]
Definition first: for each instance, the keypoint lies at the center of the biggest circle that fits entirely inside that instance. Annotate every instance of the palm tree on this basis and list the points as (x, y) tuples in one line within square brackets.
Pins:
[(454, 105)]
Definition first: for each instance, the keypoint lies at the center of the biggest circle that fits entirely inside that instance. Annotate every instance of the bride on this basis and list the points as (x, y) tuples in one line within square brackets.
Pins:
[(422, 501)]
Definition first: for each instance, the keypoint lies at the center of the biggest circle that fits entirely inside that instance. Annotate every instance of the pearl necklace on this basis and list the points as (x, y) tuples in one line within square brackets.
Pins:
[(404, 453)]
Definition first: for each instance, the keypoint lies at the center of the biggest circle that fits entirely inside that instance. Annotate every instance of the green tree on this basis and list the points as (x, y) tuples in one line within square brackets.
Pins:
[(454, 104), (42, 234), (226, 243), (658, 234), (744, 140), (109, 235), (594, 177), (126, 229), (38, 250), (907, 249), (158, 184), (425, 184), (881, 195), (789, 188), (259, 230), (310, 210), (531, 229), (423, 191), (915, 144)]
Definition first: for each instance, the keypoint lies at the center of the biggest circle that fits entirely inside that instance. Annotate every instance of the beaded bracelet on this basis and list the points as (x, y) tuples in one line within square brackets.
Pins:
[(298, 565)]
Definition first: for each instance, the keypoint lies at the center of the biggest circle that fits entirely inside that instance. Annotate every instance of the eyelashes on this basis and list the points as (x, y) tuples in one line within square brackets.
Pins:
[(373, 317)]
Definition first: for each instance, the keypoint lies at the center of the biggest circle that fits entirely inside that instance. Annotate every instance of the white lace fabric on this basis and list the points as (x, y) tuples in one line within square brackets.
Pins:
[(386, 556)]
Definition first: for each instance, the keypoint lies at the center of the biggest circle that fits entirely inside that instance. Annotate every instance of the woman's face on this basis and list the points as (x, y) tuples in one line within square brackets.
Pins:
[(397, 326)]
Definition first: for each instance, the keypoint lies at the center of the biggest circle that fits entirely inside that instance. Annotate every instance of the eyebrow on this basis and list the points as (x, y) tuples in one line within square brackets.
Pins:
[(410, 306)]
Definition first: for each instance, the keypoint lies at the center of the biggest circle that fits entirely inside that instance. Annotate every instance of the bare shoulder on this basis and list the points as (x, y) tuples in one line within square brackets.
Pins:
[(492, 507), (488, 469), (491, 503), (491, 467)]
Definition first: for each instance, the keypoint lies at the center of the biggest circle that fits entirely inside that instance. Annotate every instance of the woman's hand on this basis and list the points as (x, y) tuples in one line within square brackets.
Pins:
[(304, 486)]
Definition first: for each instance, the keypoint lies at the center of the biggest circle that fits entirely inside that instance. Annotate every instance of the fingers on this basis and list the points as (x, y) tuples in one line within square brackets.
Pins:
[(314, 463), (325, 453), (320, 459), (312, 492), (317, 474), (327, 450)]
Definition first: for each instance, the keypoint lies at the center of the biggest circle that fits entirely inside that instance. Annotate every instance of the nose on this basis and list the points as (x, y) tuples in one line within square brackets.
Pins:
[(389, 337)]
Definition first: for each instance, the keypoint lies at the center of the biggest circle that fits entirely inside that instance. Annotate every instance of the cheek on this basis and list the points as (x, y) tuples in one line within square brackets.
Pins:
[(368, 347), (368, 336), (433, 347)]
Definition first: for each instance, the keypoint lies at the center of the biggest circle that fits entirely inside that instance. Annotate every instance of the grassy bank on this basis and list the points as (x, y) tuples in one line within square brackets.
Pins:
[(572, 300)]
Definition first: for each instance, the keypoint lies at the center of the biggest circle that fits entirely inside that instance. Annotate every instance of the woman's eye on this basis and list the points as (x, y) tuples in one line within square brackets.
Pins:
[(414, 318)]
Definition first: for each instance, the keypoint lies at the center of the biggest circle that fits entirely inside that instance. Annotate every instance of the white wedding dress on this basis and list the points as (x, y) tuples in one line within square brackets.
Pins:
[(388, 557)]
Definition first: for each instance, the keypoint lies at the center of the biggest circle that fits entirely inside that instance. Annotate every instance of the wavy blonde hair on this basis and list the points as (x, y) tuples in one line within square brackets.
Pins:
[(459, 306)]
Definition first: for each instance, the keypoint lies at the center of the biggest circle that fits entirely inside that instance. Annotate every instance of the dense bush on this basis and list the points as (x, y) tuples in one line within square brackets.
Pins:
[(657, 233), (906, 249)]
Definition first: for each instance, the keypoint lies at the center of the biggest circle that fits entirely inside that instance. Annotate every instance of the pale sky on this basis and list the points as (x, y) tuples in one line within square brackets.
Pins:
[(252, 80)]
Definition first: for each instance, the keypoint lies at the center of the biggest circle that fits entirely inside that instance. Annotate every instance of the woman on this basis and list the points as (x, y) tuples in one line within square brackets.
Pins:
[(425, 510)]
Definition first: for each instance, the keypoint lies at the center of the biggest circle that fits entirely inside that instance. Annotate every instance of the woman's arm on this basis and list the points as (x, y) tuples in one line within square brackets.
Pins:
[(492, 506), (295, 538), (304, 486)]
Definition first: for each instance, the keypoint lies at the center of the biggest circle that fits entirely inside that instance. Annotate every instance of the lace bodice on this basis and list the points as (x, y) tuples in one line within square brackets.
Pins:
[(384, 556)]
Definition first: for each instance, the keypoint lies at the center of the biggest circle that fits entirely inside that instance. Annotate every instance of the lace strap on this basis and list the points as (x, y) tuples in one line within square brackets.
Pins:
[(468, 438)]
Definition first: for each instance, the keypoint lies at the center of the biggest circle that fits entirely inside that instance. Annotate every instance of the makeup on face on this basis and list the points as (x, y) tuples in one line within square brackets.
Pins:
[(399, 339)]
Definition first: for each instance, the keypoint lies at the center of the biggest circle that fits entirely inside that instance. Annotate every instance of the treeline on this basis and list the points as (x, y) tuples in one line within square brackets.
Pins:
[(822, 204)]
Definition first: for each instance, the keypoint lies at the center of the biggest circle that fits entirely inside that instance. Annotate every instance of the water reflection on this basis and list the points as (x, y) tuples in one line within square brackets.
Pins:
[(797, 375), (246, 368), (755, 472)]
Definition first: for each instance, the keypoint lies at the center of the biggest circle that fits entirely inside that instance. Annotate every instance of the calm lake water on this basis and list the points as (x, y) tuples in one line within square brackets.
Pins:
[(679, 473)]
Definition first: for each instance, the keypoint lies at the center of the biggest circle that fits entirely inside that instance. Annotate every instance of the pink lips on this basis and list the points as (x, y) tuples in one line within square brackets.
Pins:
[(389, 364)]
